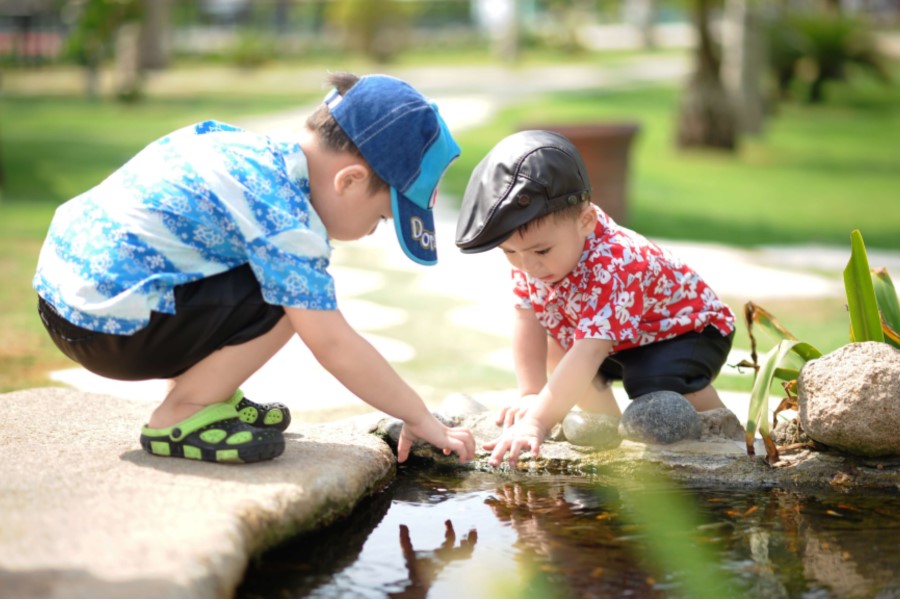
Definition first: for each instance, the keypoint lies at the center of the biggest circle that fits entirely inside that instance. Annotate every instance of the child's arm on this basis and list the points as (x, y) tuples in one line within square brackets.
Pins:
[(569, 382), (363, 371), (529, 342)]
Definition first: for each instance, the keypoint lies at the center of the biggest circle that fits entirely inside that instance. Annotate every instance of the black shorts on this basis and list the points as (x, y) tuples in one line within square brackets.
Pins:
[(223, 310), (683, 364)]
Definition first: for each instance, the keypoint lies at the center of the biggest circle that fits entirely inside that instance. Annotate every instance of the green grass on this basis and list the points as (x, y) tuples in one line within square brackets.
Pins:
[(53, 148), (817, 173)]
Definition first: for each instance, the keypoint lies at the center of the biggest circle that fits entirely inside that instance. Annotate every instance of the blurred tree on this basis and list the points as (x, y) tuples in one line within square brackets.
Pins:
[(819, 48), (743, 62), (155, 30), (707, 117), (642, 14), (96, 26), (373, 27)]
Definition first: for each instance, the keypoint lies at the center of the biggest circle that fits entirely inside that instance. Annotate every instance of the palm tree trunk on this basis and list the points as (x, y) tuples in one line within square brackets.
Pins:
[(707, 117)]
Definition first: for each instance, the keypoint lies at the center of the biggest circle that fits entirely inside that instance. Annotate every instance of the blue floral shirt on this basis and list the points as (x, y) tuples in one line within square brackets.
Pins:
[(198, 202)]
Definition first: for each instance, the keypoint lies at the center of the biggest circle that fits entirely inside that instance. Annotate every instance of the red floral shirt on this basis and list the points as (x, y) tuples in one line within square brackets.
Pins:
[(625, 289)]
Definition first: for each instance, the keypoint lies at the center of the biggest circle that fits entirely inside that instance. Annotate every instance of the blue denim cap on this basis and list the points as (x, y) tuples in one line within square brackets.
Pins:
[(406, 142)]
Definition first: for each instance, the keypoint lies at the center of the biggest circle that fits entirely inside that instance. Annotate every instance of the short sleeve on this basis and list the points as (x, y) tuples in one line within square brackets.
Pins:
[(291, 269), (521, 297)]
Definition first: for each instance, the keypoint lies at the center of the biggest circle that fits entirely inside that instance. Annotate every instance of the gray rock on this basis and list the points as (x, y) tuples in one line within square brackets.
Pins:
[(721, 424), (660, 418), (848, 399), (458, 407), (589, 429), (389, 428), (789, 432)]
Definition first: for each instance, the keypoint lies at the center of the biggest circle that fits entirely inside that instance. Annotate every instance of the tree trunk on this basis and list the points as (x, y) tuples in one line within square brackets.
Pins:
[(155, 46), (92, 79), (642, 14), (707, 118), (129, 76), (743, 63)]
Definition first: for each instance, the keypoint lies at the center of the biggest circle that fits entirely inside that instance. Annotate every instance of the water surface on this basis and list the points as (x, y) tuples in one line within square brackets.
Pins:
[(494, 535)]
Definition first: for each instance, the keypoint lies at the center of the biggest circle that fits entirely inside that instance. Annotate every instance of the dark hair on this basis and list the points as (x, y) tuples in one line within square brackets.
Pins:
[(570, 211), (330, 134)]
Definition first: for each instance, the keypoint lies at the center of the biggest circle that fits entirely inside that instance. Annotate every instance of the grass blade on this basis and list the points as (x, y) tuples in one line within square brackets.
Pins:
[(865, 322), (888, 305), (757, 418)]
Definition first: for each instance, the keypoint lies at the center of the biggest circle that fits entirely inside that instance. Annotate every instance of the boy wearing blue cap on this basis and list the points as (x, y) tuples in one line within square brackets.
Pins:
[(595, 301), (199, 259)]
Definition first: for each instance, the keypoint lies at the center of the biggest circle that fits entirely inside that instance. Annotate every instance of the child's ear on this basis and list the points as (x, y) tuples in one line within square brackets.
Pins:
[(350, 176), (587, 219)]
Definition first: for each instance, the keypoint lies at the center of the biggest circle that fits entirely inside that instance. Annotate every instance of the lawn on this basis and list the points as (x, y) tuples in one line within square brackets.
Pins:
[(815, 174)]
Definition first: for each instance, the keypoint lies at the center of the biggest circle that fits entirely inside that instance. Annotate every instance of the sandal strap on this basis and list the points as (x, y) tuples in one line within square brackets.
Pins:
[(213, 413), (235, 398)]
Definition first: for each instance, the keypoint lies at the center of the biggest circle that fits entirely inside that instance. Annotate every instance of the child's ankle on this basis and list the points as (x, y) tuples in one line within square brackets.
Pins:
[(167, 416)]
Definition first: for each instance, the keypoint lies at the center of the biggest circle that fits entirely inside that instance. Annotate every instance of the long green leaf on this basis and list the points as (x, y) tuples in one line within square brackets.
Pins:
[(888, 305), (865, 322), (760, 316), (758, 416)]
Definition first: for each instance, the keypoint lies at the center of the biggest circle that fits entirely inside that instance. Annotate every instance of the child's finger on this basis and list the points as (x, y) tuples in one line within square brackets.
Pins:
[(535, 445), (464, 437), (499, 452), (403, 447)]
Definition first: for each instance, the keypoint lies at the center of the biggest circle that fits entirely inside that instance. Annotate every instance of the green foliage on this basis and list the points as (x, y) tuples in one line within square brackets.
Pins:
[(252, 49), (871, 318), (888, 305), (96, 26), (865, 324), (820, 48), (671, 522), (773, 367), (371, 25)]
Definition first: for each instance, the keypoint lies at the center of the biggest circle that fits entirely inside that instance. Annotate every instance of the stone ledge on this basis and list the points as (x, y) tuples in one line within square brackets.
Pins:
[(87, 513)]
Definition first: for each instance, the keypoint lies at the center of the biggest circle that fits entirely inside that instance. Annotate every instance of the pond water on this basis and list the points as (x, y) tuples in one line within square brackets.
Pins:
[(500, 534)]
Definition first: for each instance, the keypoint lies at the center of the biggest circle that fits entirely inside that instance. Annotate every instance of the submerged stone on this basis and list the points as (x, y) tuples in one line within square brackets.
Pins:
[(660, 418), (598, 431)]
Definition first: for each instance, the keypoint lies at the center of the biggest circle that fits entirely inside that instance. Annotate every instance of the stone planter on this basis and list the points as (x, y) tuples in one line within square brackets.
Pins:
[(605, 149)]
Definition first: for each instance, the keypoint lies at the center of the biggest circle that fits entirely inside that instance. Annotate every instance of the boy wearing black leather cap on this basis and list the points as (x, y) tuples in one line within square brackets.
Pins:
[(596, 301)]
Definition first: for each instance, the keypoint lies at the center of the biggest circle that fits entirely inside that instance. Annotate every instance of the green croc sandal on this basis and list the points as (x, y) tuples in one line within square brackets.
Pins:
[(274, 414), (215, 434)]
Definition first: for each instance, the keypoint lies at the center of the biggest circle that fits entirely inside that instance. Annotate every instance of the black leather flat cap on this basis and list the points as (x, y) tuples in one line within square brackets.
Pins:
[(525, 176)]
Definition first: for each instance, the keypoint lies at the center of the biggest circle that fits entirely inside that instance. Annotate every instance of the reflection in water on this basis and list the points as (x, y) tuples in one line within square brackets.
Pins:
[(568, 537), (424, 566)]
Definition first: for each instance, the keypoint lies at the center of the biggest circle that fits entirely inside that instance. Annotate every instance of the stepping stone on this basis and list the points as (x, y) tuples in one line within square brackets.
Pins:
[(660, 418)]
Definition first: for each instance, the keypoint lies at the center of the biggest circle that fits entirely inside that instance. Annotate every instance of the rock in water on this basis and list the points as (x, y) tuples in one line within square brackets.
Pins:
[(590, 429), (660, 418)]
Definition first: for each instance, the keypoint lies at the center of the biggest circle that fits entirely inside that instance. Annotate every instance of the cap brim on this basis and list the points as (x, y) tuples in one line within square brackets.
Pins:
[(469, 249), (415, 229)]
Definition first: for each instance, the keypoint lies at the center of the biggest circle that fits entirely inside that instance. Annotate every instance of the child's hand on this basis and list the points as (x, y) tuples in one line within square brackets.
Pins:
[(449, 439), (512, 412), (526, 434)]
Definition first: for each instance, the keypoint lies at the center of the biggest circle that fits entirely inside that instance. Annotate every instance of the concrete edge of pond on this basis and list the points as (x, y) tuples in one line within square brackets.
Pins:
[(87, 513)]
